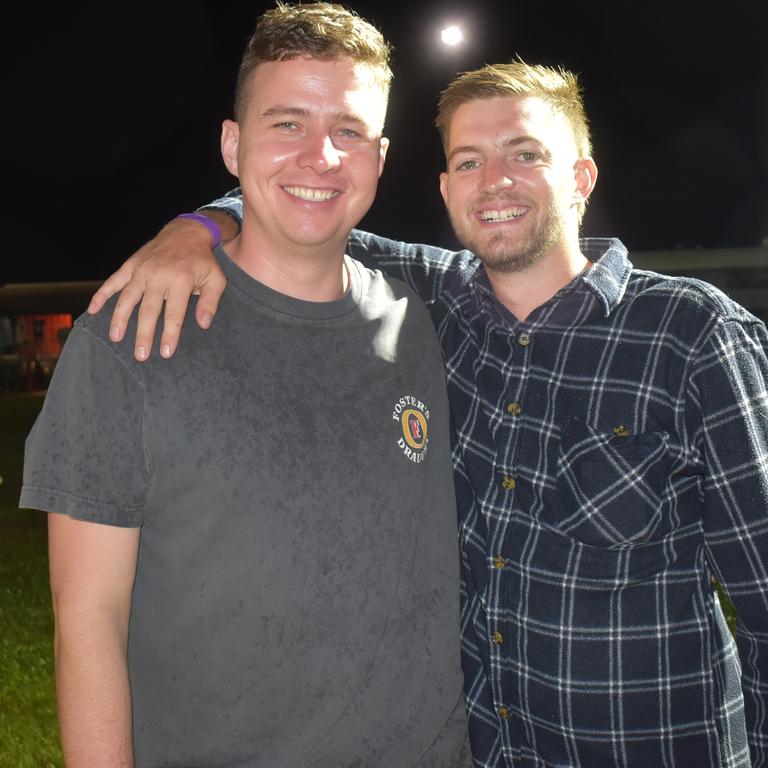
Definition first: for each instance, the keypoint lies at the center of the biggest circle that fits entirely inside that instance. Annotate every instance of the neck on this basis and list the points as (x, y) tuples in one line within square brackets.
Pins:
[(522, 292), (310, 274)]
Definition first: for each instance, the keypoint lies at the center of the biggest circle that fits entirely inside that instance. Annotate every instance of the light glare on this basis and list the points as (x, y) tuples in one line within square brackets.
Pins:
[(451, 35)]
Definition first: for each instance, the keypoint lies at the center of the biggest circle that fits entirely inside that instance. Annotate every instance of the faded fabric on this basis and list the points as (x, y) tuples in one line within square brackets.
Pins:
[(296, 599)]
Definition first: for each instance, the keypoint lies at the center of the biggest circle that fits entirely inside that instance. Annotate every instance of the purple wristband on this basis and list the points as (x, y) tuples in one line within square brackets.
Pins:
[(209, 224)]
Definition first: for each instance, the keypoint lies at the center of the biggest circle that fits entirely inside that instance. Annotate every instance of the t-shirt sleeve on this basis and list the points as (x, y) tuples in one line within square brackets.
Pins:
[(84, 456)]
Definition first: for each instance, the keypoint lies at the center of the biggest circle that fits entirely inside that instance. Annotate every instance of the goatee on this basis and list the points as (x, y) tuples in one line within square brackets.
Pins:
[(513, 251)]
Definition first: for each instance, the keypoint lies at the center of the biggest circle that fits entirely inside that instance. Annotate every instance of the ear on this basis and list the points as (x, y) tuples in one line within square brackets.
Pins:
[(444, 187), (585, 173), (383, 147), (230, 139)]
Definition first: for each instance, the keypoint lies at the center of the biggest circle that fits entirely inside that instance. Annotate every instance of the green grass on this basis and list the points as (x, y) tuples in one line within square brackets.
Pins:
[(728, 610), (28, 731)]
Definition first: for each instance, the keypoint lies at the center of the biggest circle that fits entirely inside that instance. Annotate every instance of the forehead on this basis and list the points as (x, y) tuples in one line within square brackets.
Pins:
[(504, 118), (319, 85)]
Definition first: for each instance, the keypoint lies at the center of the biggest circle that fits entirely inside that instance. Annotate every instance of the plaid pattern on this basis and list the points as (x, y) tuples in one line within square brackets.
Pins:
[(611, 457)]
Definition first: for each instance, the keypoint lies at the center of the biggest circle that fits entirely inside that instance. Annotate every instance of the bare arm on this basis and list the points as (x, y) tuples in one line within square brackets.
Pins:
[(170, 267), (92, 570)]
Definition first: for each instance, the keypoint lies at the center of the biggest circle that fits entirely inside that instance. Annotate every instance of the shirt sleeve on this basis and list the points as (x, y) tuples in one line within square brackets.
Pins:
[(84, 456), (428, 270), (731, 384), (231, 203)]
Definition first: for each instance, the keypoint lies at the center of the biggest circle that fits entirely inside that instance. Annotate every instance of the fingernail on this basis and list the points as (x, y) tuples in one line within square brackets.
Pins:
[(165, 350), (114, 333), (141, 353), (206, 320), (92, 307)]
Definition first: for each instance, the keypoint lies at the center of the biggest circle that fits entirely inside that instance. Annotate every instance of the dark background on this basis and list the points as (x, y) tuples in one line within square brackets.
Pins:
[(112, 113)]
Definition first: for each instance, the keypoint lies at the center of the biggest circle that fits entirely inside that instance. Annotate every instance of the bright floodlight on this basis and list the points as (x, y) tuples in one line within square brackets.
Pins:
[(451, 36)]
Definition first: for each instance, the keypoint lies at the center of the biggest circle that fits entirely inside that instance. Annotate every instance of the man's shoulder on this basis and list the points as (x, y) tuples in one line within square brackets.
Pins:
[(392, 302), (96, 327), (378, 289), (695, 298), (93, 331)]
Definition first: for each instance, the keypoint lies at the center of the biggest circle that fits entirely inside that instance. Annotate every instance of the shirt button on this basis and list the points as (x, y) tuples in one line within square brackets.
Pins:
[(524, 339), (514, 409), (621, 431), (497, 638), (499, 561), (504, 712), (508, 483)]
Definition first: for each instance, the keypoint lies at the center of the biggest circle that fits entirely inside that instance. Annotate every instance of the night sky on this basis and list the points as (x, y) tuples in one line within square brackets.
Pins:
[(112, 113)]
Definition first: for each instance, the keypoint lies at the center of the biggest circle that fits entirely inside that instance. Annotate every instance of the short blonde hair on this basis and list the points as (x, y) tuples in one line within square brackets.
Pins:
[(322, 31), (558, 87)]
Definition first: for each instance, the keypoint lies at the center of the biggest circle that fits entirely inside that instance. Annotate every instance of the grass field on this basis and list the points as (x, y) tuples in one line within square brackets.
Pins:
[(28, 732)]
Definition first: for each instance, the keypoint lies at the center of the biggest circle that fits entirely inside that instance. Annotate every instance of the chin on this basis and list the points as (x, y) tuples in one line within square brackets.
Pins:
[(501, 253), (508, 262)]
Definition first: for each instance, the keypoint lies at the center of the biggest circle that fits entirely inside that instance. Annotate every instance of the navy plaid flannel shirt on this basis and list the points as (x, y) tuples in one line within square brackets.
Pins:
[(611, 457)]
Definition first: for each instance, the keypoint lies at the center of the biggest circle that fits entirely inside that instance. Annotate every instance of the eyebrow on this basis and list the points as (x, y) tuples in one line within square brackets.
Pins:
[(281, 111), (472, 149)]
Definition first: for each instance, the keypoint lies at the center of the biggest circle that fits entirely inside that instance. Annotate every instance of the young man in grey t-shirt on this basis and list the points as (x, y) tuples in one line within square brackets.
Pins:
[(274, 583)]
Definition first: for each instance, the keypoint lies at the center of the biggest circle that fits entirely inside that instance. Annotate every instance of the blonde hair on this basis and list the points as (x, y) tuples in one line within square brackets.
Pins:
[(558, 87)]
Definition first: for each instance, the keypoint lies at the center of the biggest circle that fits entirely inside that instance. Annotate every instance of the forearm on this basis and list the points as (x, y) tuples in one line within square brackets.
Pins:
[(229, 225), (93, 691), (230, 204)]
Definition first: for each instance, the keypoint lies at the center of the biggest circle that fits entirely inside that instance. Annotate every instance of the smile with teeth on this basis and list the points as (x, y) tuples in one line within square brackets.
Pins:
[(313, 195), (505, 214)]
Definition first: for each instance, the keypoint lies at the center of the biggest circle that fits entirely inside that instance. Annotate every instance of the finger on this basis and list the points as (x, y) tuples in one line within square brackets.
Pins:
[(210, 294), (129, 297), (149, 313), (176, 304), (114, 283)]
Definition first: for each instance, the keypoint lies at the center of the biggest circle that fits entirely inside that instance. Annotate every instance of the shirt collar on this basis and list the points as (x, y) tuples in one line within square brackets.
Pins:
[(607, 278), (610, 271)]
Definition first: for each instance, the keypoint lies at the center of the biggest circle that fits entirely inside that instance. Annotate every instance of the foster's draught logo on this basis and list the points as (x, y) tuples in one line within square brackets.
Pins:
[(412, 417)]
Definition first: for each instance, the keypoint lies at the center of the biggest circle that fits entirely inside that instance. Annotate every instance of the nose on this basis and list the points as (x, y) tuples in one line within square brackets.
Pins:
[(319, 154), (497, 174)]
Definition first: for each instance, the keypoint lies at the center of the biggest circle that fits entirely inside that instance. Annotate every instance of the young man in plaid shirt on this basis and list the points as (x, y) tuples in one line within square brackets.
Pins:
[(610, 449)]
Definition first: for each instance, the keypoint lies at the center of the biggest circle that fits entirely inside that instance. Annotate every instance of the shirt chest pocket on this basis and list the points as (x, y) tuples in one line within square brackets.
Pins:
[(610, 485)]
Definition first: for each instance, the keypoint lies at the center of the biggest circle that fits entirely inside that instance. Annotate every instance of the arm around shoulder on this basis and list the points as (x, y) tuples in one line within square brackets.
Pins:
[(167, 270), (426, 269)]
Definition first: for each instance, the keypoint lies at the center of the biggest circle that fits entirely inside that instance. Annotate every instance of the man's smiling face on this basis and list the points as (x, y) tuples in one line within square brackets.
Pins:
[(510, 184), (308, 151)]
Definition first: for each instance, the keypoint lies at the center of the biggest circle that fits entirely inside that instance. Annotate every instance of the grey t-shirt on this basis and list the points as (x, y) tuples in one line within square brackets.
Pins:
[(296, 596)]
